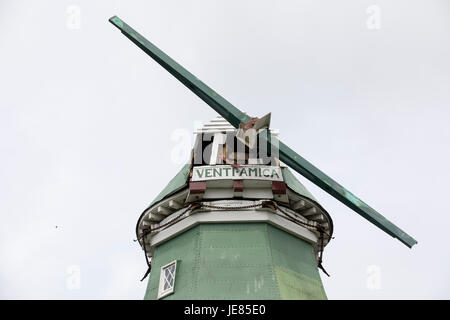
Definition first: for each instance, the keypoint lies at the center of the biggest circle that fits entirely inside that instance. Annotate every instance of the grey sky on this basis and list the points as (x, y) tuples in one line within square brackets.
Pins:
[(86, 125)]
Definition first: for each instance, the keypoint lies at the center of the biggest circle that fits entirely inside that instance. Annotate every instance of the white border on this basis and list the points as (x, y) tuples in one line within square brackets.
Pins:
[(232, 173), (226, 216), (161, 292)]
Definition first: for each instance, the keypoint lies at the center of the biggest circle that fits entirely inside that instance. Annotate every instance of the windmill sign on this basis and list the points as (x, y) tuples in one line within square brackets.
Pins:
[(249, 172)]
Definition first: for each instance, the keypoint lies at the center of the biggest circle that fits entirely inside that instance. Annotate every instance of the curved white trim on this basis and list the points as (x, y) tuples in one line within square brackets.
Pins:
[(233, 216)]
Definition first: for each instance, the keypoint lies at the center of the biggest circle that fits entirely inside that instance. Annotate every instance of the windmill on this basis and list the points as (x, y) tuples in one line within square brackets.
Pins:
[(235, 223)]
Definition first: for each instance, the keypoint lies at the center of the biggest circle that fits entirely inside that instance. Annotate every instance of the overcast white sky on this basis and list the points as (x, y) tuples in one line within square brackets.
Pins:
[(87, 123)]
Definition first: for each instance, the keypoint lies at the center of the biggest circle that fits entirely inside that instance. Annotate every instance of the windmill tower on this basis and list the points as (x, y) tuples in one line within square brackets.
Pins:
[(235, 223), (233, 226)]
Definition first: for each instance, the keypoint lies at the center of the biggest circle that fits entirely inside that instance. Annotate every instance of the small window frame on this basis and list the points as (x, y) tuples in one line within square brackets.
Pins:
[(162, 280)]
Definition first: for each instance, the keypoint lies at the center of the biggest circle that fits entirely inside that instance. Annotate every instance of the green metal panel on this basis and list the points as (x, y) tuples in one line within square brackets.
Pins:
[(184, 249), (178, 182), (292, 253), (238, 261), (288, 280), (295, 185), (287, 155)]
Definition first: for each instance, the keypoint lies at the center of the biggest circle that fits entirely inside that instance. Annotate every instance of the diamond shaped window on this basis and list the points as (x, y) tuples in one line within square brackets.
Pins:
[(167, 280)]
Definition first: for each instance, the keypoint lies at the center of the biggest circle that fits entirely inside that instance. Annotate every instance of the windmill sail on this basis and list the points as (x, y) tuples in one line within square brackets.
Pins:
[(287, 155)]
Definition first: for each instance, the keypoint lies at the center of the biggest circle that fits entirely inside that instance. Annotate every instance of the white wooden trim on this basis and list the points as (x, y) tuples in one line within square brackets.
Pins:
[(161, 292), (234, 216)]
